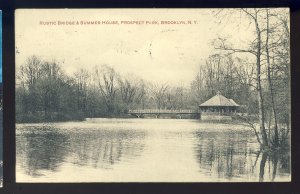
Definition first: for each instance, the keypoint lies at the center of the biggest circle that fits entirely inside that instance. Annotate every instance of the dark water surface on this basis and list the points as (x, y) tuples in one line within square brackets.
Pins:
[(143, 150)]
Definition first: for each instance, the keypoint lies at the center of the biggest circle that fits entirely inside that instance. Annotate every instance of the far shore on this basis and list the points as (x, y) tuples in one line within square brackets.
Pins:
[(231, 122)]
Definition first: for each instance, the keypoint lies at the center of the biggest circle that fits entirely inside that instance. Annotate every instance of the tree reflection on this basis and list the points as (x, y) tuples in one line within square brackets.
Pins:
[(221, 154), (279, 163), (104, 148), (41, 148), (233, 156), (262, 167)]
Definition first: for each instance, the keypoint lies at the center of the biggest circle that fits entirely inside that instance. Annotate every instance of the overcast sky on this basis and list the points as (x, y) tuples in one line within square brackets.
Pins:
[(156, 52)]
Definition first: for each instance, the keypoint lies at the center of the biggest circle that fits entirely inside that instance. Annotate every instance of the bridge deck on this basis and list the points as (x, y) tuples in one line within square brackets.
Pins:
[(163, 111)]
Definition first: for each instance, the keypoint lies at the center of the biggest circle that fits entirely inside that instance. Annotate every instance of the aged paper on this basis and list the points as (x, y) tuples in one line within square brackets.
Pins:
[(152, 95)]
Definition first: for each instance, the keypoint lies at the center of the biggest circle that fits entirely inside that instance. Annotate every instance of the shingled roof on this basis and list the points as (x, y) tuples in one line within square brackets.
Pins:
[(219, 100)]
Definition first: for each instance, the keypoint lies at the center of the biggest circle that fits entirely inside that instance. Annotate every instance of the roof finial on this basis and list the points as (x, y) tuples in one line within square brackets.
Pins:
[(218, 93)]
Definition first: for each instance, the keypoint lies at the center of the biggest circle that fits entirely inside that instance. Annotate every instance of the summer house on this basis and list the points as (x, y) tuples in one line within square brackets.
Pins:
[(218, 108)]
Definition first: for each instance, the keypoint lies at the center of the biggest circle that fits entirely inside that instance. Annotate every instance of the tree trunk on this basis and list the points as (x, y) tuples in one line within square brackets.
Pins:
[(276, 139), (262, 166), (261, 112)]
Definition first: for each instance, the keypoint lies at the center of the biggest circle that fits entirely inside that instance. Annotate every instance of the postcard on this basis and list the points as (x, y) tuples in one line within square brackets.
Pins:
[(153, 95)]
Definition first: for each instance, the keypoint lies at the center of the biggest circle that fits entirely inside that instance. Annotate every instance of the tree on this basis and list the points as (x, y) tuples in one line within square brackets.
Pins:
[(160, 92), (141, 93), (261, 48), (128, 90), (27, 79), (82, 77), (106, 79)]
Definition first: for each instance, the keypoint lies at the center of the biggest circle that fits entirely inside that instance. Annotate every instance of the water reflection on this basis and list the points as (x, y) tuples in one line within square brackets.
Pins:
[(134, 150), (41, 149), (236, 157), (272, 164), (104, 148)]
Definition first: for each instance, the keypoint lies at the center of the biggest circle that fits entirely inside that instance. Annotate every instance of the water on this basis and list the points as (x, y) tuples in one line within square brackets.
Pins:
[(143, 150)]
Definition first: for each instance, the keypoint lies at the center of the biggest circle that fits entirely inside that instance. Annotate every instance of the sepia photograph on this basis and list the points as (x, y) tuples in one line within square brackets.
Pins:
[(152, 95)]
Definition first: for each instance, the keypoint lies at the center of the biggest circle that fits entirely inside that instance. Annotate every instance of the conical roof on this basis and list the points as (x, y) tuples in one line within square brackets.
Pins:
[(219, 100), (233, 102)]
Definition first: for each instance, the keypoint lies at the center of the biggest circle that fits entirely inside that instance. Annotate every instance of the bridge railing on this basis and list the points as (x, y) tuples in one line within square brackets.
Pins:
[(161, 111)]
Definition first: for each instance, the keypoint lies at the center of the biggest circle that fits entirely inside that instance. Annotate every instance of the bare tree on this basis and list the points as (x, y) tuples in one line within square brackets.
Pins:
[(276, 137), (27, 78), (270, 48), (107, 79), (128, 90), (30, 72), (141, 93), (160, 92), (82, 77), (256, 50)]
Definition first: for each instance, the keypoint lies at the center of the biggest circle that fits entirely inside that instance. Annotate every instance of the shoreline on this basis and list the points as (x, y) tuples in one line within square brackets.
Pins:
[(94, 120)]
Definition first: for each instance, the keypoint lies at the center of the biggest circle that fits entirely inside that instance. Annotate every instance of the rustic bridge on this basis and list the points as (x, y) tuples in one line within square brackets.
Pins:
[(157, 112)]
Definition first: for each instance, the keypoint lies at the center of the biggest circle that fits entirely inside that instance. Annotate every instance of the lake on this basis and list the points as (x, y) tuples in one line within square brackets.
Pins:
[(144, 150)]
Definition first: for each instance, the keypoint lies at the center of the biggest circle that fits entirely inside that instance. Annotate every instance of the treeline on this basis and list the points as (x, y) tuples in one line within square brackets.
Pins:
[(45, 93)]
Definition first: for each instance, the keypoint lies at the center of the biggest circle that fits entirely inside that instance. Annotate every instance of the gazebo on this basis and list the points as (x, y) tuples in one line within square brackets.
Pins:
[(218, 108)]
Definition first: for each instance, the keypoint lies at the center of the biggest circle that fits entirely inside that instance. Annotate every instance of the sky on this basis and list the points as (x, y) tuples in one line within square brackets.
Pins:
[(158, 53)]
